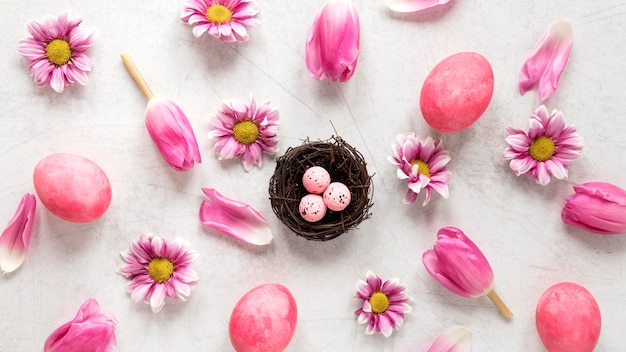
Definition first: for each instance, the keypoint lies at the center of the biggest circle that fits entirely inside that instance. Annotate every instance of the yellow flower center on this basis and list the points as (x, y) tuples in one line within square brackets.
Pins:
[(542, 148), (246, 132), (379, 302), (422, 167), (219, 14), (160, 269), (58, 52)]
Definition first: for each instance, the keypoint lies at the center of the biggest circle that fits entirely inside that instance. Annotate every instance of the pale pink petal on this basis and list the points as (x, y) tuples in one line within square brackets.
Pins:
[(455, 339), (15, 238), (234, 218), (157, 298), (413, 5), (547, 61)]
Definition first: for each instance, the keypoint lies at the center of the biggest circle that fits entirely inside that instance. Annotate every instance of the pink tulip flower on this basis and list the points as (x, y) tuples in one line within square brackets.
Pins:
[(459, 265), (597, 207), (332, 48), (234, 218), (89, 331), (455, 339), (547, 61), (171, 132), (16, 236)]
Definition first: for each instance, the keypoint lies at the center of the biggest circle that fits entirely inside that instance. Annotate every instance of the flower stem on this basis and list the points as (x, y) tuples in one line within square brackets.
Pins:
[(504, 310), (134, 73)]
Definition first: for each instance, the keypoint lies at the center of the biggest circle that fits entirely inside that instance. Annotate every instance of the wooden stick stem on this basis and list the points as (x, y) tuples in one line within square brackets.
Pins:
[(504, 310), (134, 73)]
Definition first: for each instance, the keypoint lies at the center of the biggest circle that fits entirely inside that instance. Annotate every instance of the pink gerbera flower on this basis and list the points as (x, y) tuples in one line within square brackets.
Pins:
[(546, 150), (57, 51), (245, 131), (384, 304), (423, 163), (158, 268), (224, 19)]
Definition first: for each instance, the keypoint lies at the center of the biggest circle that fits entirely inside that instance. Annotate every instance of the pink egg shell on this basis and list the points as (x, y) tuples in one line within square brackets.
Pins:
[(312, 208), (337, 196), (72, 187), (264, 319), (568, 318), (316, 179)]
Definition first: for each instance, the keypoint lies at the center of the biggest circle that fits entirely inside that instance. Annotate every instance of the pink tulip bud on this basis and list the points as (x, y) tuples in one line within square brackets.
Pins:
[(172, 134), (332, 48), (459, 265), (89, 331), (16, 236), (597, 207)]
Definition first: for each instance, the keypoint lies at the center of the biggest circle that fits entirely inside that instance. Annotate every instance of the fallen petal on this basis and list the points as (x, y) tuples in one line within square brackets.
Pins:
[(234, 218), (413, 5), (16, 236), (455, 339), (546, 63)]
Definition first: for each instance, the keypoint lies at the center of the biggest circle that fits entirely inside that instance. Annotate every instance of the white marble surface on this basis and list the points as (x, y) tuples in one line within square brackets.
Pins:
[(515, 221)]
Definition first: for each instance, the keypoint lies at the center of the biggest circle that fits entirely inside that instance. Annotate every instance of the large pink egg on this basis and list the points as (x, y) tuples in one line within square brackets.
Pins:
[(72, 187), (337, 196), (316, 179), (457, 92), (264, 319), (568, 318), (312, 208)]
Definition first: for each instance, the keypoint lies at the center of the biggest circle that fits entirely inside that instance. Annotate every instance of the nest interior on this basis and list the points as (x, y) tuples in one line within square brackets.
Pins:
[(344, 163)]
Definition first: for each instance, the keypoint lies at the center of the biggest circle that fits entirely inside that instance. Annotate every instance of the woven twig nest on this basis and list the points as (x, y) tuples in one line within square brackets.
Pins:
[(345, 164)]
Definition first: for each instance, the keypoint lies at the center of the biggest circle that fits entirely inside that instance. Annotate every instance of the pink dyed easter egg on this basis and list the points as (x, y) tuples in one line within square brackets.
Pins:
[(72, 187), (337, 196), (457, 92), (264, 319), (568, 318), (316, 179), (312, 208)]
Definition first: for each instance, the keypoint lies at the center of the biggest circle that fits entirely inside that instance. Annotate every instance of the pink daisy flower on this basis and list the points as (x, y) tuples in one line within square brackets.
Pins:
[(546, 150), (245, 131), (158, 268), (57, 51), (384, 304), (224, 19), (423, 163)]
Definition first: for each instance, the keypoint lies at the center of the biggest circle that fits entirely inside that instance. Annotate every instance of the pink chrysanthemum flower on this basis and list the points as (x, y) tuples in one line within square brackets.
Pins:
[(57, 51), (158, 268), (245, 131), (423, 163), (546, 150), (384, 304), (224, 19)]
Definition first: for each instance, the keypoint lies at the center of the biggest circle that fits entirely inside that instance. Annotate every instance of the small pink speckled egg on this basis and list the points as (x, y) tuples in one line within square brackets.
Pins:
[(316, 179), (312, 208), (337, 196)]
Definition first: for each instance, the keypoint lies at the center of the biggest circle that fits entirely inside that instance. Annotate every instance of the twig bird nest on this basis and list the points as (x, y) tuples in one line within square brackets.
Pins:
[(345, 164)]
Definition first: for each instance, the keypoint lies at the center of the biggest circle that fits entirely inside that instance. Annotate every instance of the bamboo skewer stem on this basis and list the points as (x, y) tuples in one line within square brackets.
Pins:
[(134, 73), (504, 310)]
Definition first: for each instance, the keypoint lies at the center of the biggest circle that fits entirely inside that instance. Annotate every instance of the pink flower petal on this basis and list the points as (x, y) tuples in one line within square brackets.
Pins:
[(89, 331), (172, 134), (15, 238), (455, 339), (413, 5), (234, 218), (598, 207), (547, 61)]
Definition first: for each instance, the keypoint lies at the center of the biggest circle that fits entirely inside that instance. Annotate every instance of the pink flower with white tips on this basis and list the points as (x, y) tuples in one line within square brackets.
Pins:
[(384, 304), (546, 150), (423, 165)]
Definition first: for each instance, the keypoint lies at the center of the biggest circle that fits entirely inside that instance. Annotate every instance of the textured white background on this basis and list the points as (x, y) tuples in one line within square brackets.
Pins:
[(515, 221)]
